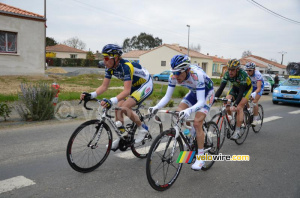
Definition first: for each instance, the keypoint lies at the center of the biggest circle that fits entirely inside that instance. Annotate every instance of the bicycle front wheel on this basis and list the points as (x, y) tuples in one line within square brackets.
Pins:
[(141, 149), (161, 167), (89, 146), (258, 127), (221, 123), (244, 129)]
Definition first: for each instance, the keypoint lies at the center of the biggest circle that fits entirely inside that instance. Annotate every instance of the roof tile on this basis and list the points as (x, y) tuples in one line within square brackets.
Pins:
[(63, 48), (14, 10)]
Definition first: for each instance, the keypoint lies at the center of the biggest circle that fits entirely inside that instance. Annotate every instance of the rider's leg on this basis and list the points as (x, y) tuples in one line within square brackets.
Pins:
[(255, 108), (240, 112), (229, 97), (127, 110), (118, 113)]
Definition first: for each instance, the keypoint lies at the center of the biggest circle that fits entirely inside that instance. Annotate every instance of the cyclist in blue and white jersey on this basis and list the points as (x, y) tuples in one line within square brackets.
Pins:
[(257, 81), (138, 85), (199, 99)]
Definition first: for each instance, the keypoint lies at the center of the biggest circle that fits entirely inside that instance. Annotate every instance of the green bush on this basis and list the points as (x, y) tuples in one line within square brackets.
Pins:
[(182, 91), (170, 103), (36, 101), (5, 110)]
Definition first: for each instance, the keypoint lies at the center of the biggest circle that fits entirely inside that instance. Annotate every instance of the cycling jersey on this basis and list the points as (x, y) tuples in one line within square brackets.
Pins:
[(142, 84), (129, 71), (241, 78), (200, 97), (257, 77)]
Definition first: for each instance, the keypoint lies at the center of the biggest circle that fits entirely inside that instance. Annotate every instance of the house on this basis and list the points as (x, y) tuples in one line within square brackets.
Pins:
[(134, 55), (271, 66), (64, 51), (158, 59), (218, 65), (22, 42)]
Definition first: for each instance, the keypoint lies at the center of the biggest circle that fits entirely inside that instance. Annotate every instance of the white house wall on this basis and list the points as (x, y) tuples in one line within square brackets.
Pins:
[(29, 59), (152, 60), (68, 55)]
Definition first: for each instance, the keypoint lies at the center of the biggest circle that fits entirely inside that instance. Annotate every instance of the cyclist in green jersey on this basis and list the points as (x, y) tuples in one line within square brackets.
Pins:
[(240, 91)]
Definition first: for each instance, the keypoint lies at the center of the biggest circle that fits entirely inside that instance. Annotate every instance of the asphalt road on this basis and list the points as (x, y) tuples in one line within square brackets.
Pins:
[(38, 154)]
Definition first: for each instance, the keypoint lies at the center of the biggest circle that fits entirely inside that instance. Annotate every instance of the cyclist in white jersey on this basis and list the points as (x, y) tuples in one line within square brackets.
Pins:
[(258, 88), (199, 99)]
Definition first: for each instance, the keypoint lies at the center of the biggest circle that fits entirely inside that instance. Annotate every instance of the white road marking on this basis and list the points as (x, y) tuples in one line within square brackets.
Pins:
[(268, 119), (129, 155), (14, 183), (294, 112)]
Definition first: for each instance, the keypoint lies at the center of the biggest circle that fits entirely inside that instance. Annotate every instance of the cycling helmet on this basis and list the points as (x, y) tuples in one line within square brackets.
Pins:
[(250, 65), (233, 64), (180, 62), (112, 50)]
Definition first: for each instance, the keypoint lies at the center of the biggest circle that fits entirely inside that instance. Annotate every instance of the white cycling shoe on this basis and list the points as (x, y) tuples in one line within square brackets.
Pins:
[(255, 122), (198, 165), (235, 135), (141, 135)]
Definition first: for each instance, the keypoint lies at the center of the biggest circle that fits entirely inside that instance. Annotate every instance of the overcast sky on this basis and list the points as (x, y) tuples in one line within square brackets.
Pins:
[(222, 27)]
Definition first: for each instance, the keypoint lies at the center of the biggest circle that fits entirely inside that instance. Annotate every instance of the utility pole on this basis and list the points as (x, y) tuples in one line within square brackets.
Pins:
[(282, 53), (188, 40), (45, 31)]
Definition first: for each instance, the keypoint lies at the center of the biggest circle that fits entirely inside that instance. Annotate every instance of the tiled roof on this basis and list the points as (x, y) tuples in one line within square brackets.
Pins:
[(243, 61), (182, 50), (269, 62), (63, 48), (219, 60), (134, 53), (13, 10)]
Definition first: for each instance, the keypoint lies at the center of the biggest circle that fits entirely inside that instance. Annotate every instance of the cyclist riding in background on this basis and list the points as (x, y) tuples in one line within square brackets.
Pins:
[(240, 92), (199, 99), (258, 88), (138, 85)]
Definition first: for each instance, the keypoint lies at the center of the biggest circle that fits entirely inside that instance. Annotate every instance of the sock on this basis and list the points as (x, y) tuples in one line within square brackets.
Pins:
[(237, 128), (200, 152)]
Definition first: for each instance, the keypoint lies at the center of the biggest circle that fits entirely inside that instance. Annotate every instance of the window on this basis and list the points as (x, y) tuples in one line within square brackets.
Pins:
[(8, 42), (73, 55), (163, 63)]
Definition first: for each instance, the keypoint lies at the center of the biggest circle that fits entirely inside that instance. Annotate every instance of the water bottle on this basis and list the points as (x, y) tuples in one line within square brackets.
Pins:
[(187, 133), (120, 126), (145, 127)]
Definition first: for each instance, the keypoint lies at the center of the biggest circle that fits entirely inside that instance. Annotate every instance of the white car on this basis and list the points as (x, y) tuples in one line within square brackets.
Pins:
[(267, 86)]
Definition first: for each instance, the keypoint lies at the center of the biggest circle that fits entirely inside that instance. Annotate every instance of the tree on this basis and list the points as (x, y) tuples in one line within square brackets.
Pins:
[(90, 56), (75, 43), (196, 47), (50, 41), (143, 41), (246, 53)]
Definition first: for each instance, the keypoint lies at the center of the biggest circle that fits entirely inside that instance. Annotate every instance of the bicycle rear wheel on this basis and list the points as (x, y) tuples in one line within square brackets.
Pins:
[(212, 143), (141, 149), (86, 148), (221, 123), (244, 128), (258, 127), (161, 167)]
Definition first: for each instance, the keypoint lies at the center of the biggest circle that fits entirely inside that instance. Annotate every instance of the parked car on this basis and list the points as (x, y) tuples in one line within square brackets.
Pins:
[(288, 91), (162, 76), (267, 86), (101, 64), (270, 80)]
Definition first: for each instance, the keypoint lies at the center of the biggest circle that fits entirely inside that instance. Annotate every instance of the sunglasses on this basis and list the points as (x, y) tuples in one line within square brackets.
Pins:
[(249, 70), (177, 73), (106, 58)]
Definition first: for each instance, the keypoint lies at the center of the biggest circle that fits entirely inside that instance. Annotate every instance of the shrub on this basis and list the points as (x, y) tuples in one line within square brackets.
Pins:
[(36, 101), (182, 91), (154, 101), (170, 103), (5, 110)]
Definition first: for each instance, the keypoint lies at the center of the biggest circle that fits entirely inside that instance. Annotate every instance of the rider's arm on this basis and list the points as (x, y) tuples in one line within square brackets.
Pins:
[(220, 90), (259, 83), (166, 98), (200, 100), (126, 92), (240, 95)]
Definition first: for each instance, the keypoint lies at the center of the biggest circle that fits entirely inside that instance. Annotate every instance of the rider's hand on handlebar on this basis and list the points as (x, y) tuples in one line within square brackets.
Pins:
[(85, 96), (153, 110), (106, 103), (184, 114)]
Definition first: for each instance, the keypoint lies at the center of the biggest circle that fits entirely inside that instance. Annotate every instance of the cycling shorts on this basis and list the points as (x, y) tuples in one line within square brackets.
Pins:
[(259, 93), (234, 91), (191, 99), (140, 93)]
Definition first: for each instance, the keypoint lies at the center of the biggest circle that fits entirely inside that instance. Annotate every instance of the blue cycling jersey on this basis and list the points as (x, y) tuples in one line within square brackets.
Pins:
[(257, 77)]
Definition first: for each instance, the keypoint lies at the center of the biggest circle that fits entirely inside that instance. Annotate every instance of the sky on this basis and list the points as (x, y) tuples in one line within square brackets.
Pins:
[(221, 27)]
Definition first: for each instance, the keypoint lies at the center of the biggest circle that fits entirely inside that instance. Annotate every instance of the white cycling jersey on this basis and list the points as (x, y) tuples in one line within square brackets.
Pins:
[(197, 81), (257, 77)]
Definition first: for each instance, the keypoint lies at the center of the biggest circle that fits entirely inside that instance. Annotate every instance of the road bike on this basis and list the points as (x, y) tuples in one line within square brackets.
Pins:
[(90, 144), (162, 168), (227, 126), (256, 128)]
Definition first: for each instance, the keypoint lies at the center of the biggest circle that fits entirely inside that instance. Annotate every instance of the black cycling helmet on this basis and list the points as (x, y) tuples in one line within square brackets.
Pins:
[(233, 64), (111, 50)]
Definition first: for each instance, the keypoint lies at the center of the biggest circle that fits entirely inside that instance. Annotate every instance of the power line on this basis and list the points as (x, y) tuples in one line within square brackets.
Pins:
[(273, 13)]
